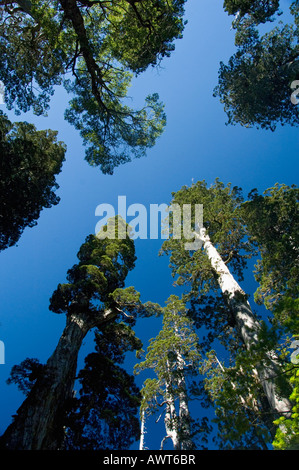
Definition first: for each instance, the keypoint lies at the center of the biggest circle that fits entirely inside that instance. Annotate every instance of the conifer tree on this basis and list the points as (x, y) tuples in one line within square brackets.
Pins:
[(93, 49), (174, 357), (258, 87), (93, 297), (223, 257), (29, 162)]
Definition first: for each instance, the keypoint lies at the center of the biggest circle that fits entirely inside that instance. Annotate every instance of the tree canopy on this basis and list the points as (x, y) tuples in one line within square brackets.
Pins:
[(93, 49), (266, 226), (272, 222), (30, 161), (255, 86)]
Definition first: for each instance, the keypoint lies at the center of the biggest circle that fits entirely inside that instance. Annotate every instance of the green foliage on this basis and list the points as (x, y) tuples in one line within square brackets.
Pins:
[(176, 336), (255, 85), (143, 33), (174, 357), (25, 374), (273, 225), (226, 231), (261, 11), (30, 161), (264, 225), (92, 48), (103, 266), (238, 400), (97, 281), (289, 440), (105, 416)]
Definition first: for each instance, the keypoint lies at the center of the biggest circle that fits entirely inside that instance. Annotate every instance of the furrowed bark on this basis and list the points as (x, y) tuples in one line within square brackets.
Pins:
[(38, 424), (248, 327)]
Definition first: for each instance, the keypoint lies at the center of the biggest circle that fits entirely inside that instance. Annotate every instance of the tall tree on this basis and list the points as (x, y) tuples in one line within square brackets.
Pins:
[(94, 296), (174, 357), (105, 414), (272, 219), (261, 11), (237, 401), (256, 85), (225, 250), (29, 163), (93, 48)]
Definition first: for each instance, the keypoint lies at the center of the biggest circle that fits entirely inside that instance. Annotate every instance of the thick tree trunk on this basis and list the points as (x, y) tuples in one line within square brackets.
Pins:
[(170, 422), (38, 424), (248, 327), (177, 425), (170, 419)]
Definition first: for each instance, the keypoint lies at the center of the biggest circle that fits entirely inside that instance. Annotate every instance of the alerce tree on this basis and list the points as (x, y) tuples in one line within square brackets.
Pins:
[(225, 249), (92, 48), (174, 357), (93, 297)]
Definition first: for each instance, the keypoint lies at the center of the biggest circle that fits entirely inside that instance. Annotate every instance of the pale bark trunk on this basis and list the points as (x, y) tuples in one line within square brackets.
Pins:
[(247, 326), (184, 413), (38, 424), (142, 431), (170, 420), (253, 405), (177, 426)]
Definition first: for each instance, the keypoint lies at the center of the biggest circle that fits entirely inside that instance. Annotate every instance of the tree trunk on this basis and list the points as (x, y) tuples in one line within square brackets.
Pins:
[(170, 420), (184, 414), (248, 327), (142, 431), (39, 422)]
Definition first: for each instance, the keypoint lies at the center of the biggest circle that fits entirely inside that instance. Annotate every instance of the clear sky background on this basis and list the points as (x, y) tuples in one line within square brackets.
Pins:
[(196, 145)]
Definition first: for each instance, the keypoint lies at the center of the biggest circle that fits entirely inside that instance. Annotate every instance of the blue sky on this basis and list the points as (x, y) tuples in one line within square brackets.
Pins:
[(196, 145)]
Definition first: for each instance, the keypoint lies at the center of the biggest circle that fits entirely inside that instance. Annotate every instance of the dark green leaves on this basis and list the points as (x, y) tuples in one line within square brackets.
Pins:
[(261, 11), (103, 266), (255, 85), (29, 160), (105, 414), (224, 226), (273, 224), (92, 48)]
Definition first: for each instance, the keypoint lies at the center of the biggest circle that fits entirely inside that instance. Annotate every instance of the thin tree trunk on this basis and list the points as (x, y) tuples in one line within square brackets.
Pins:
[(38, 424), (184, 413), (142, 431), (247, 326)]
